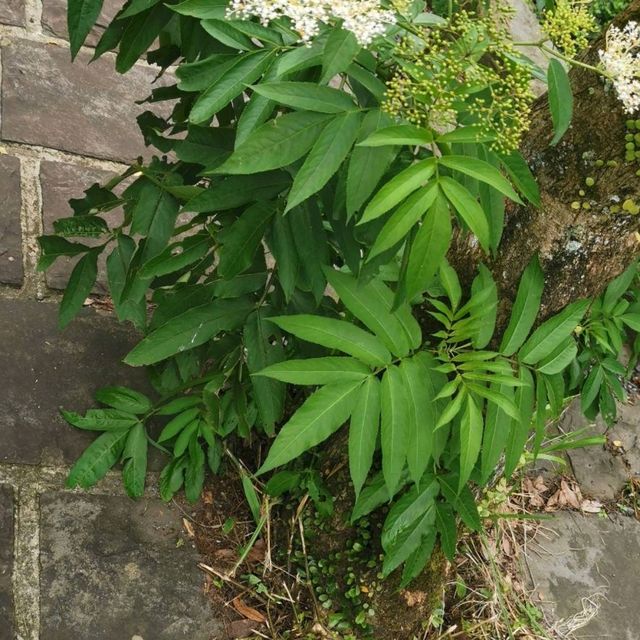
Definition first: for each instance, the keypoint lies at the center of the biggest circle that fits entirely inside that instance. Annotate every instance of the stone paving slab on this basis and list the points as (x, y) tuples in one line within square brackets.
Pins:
[(112, 569), (90, 109), (6, 563), (43, 369), (589, 557), (11, 271), (12, 13)]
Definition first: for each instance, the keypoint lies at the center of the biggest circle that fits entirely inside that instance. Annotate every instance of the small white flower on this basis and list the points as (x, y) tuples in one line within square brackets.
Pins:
[(364, 18), (621, 63)]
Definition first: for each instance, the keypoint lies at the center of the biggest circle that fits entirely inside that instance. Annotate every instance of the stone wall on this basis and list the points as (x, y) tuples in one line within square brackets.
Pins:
[(63, 126)]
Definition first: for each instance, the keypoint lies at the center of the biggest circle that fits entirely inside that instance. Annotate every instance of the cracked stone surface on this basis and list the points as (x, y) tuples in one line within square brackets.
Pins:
[(584, 561), (112, 569), (6, 562)]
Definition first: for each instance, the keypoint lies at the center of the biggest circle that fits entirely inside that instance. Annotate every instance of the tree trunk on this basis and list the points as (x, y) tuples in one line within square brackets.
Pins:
[(582, 249)]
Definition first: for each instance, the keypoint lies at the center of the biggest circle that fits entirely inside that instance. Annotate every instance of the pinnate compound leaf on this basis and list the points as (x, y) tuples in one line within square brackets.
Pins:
[(525, 309), (321, 415), (336, 334), (363, 431)]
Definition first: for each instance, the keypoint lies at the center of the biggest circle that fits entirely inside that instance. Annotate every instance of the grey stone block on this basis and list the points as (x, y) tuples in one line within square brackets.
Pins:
[(111, 569), (43, 369), (584, 563), (90, 109), (6, 563), (12, 13), (11, 271)]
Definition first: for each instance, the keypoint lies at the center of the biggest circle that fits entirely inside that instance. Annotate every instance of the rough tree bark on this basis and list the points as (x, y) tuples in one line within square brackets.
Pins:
[(580, 250)]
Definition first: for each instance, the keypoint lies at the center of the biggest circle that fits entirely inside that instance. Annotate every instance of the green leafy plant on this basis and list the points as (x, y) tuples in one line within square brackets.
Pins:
[(278, 257)]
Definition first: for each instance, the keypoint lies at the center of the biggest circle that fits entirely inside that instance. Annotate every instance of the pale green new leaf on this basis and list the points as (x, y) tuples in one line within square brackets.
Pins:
[(336, 334), (321, 415), (363, 431), (525, 309)]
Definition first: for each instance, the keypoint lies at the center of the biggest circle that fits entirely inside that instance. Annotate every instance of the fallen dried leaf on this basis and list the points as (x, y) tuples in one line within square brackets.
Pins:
[(591, 506), (248, 612), (188, 527)]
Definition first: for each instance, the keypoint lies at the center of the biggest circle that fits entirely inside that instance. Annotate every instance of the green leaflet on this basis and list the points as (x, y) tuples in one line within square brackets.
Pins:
[(447, 529), (367, 165), (327, 154), (101, 419), (552, 333), (399, 134), (525, 308), (322, 414), (245, 70), (81, 16), (371, 304), (429, 248), (306, 96), (80, 284), (398, 188), (97, 459), (242, 239), (277, 143), (462, 501), (336, 334), (394, 427), (559, 359), (317, 371), (522, 177), (560, 99), (188, 330), (471, 429), (124, 399), (409, 541), (363, 431), (202, 9), (269, 394), (480, 170), (519, 432), (421, 417), (283, 248), (134, 457), (496, 432), (468, 209), (404, 219), (339, 52)]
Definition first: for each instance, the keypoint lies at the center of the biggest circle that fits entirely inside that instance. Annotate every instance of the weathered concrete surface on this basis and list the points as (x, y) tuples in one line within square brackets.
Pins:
[(6, 563), (112, 569), (54, 19), (90, 109), (599, 473), (10, 230), (43, 369), (588, 561), (61, 181)]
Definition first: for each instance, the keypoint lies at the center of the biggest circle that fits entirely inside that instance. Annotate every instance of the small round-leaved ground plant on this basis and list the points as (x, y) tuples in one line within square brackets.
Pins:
[(279, 250)]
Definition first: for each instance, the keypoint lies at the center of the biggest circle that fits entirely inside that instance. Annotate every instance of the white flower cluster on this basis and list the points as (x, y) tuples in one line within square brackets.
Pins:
[(621, 62), (364, 18)]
